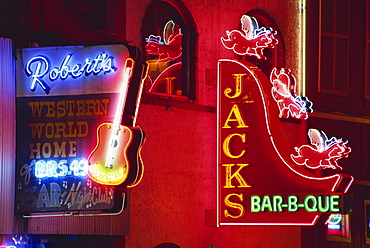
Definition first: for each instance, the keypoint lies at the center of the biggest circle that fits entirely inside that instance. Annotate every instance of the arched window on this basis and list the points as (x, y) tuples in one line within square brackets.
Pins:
[(169, 39)]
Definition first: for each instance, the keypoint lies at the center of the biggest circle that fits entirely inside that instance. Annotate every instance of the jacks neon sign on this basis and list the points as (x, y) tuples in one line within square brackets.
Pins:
[(39, 67), (261, 180), (256, 172)]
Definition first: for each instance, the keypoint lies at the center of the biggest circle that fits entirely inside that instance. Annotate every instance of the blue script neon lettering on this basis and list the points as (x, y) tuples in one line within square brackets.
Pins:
[(39, 73), (40, 66)]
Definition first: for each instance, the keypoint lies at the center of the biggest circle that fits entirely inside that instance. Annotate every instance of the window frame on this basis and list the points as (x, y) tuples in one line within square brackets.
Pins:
[(335, 36), (367, 218), (189, 43)]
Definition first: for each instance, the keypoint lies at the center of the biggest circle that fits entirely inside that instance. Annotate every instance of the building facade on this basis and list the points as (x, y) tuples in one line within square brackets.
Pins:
[(324, 43)]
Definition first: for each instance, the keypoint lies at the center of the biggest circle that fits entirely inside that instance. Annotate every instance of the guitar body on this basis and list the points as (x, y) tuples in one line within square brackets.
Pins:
[(117, 161)]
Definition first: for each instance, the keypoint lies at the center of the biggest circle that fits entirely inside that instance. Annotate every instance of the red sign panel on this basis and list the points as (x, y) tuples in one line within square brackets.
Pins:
[(261, 177)]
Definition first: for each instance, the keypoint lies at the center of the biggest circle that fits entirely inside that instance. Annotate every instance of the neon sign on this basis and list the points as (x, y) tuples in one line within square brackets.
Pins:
[(334, 221), (56, 131), (40, 66), (170, 48), (310, 203), (284, 93), (110, 161), (252, 40), (338, 227), (323, 153), (258, 181), (164, 56), (15, 241), (21, 239)]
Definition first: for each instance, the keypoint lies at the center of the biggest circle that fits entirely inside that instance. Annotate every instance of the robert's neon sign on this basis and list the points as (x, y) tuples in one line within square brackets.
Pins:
[(40, 67), (55, 130)]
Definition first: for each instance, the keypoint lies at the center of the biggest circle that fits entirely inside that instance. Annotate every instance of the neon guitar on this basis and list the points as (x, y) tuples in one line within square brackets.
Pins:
[(116, 157)]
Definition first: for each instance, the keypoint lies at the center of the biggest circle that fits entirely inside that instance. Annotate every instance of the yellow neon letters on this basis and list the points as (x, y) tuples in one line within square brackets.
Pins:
[(229, 176), (226, 145), (238, 117), (233, 175), (230, 204), (238, 87)]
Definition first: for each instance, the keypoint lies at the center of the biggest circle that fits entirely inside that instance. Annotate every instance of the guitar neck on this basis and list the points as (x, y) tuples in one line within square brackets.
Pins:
[(127, 73), (113, 141)]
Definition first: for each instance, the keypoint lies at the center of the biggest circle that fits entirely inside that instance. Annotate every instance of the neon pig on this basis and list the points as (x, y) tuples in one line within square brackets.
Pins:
[(252, 40), (284, 93), (170, 48), (39, 66), (323, 153)]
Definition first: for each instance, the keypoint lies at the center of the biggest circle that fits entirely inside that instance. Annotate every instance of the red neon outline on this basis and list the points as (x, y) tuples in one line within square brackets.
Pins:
[(270, 224), (140, 173)]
